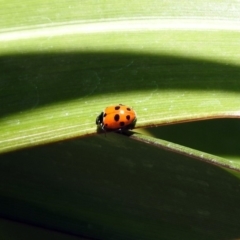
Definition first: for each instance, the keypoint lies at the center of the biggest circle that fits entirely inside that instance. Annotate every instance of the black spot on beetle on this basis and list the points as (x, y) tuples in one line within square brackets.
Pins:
[(116, 117), (128, 117), (117, 107), (104, 115), (129, 109)]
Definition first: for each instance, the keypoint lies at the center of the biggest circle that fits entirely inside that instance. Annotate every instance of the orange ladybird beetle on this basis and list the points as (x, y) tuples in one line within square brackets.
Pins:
[(117, 118)]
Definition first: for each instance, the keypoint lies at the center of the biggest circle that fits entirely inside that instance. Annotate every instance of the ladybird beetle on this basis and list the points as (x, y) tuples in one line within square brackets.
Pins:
[(117, 118)]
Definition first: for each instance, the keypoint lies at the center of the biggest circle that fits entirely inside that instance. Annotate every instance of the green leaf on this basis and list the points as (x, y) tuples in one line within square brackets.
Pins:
[(102, 187), (56, 87), (219, 137), (28, 232), (62, 64), (190, 152)]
